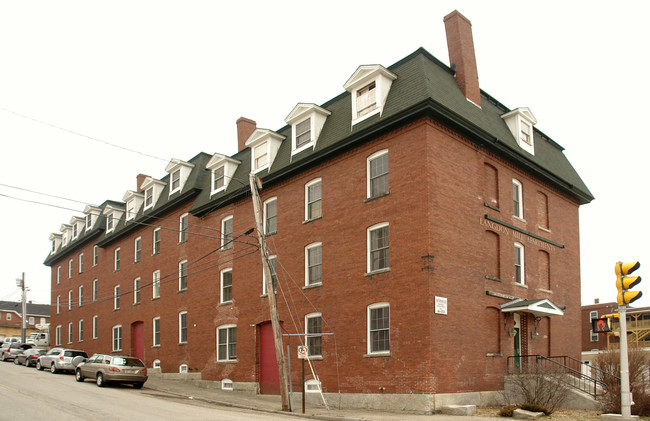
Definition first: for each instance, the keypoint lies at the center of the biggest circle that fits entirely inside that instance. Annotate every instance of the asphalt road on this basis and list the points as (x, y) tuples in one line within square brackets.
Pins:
[(29, 394)]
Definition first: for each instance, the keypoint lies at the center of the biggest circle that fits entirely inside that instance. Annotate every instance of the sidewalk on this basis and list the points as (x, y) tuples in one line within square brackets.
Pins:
[(181, 389)]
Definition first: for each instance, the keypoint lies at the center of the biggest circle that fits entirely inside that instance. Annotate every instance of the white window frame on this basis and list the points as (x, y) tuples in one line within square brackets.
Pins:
[(81, 295), (309, 265), (296, 134), (130, 209), (155, 285), (95, 287), (81, 262), (273, 259), (155, 328), (520, 269), (309, 200), (366, 94), (70, 332), (216, 177), (260, 151), (223, 287), (116, 297), (149, 198), (89, 221), (95, 255), (318, 338), (136, 290), (229, 342), (95, 326), (370, 179), (593, 336), (227, 237), (156, 243), (182, 275), (370, 251), (57, 336), (81, 330), (58, 275), (137, 249), (517, 199), (175, 178), (110, 223), (313, 386), (116, 265), (182, 327), (58, 304), (70, 269), (372, 307), (183, 227), (117, 338), (267, 202), (69, 300)]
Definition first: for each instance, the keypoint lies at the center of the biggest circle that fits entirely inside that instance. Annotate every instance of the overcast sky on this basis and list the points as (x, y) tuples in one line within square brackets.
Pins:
[(169, 79)]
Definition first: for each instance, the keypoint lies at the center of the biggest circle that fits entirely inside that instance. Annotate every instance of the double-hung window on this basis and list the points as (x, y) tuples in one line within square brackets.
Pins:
[(81, 263), (117, 338), (303, 133), (156, 241), (58, 304), (378, 247), (116, 297), (183, 225), (261, 156), (182, 275), (70, 332), (58, 275), (182, 327), (136, 291), (70, 300), (95, 255), (519, 264), (517, 199), (313, 194), (377, 174), (313, 264), (366, 99), (137, 249), (117, 259), (218, 178), (95, 326), (176, 181), (227, 343), (226, 285), (271, 216), (155, 286), (95, 285), (378, 328), (109, 222), (81, 295), (69, 268), (148, 198), (227, 233), (313, 330), (81, 330), (156, 331)]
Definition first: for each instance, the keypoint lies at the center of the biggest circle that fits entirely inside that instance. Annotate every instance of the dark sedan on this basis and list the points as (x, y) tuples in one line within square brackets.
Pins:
[(28, 357)]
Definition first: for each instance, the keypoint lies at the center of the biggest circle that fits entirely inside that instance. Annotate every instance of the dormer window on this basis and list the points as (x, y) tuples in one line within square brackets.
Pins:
[(307, 121), (90, 217), (178, 171), (89, 221), (148, 197), (66, 231), (75, 231), (152, 189), (109, 222), (113, 214), (222, 169), (264, 146), (369, 87), (56, 241), (133, 201), (520, 122)]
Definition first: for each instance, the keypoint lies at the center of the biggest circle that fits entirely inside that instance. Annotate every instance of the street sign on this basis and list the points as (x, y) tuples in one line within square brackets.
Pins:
[(303, 352)]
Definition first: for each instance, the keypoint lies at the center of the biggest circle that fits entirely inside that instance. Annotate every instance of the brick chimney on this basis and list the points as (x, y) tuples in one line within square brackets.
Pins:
[(141, 178), (245, 127), (461, 55)]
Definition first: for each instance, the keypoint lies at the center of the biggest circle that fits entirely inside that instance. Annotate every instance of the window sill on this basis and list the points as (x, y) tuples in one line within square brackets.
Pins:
[(377, 272), (156, 346), (225, 303), (379, 196), (136, 304), (227, 362), (182, 343), (377, 354), (518, 218), (546, 230), (517, 284), (547, 291), (307, 221), (182, 290), (155, 298), (310, 286), (493, 278)]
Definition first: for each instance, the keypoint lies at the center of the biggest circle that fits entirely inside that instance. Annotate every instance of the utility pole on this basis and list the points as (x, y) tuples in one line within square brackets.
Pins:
[(275, 318), (626, 396), (21, 283)]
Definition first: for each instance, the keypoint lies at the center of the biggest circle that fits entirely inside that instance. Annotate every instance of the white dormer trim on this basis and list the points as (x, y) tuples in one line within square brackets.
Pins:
[(134, 201), (520, 121), (92, 215), (115, 213), (66, 232), (55, 238), (183, 169), (229, 166), (301, 113), (156, 187), (264, 146), (77, 224), (361, 79)]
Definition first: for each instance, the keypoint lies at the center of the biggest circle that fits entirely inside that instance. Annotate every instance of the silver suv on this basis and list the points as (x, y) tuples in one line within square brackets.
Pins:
[(9, 350), (61, 359), (103, 368)]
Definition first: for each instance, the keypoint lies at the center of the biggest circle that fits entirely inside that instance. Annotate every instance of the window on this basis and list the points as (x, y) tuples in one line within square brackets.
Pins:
[(70, 300), (130, 209), (89, 221), (313, 327), (218, 180), (69, 268), (182, 275), (116, 297), (58, 275), (378, 328), (137, 249), (81, 330), (136, 291), (8, 316), (312, 386), (519, 264), (156, 284), (303, 133), (156, 241), (95, 255), (261, 156), (70, 332), (95, 321), (148, 198), (366, 100), (520, 122), (526, 133), (156, 364), (32, 321), (182, 327), (593, 336), (517, 199), (182, 368), (274, 274), (227, 343), (81, 263), (226, 233), (313, 193), (58, 335), (117, 338), (95, 285), (226, 384), (226, 285), (109, 222), (156, 331), (378, 174), (378, 247), (176, 181), (313, 264), (81, 295), (117, 259), (58, 304), (75, 231), (271, 216), (182, 228)]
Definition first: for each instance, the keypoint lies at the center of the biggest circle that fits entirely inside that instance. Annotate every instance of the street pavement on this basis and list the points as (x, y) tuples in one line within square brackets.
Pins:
[(198, 391)]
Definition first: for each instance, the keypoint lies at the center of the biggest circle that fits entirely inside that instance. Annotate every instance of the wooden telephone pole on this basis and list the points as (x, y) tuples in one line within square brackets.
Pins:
[(275, 318)]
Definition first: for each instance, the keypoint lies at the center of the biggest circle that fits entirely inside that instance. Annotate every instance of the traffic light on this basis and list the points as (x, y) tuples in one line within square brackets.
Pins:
[(624, 282)]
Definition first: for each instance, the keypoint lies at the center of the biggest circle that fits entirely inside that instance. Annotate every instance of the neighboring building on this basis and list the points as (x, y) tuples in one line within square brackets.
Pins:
[(426, 230), (11, 318)]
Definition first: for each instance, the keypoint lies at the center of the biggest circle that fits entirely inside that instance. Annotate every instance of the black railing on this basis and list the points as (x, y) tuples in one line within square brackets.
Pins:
[(579, 375)]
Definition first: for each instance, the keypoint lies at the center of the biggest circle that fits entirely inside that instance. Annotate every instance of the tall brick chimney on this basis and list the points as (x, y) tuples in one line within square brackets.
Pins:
[(245, 127), (461, 55), (141, 178)]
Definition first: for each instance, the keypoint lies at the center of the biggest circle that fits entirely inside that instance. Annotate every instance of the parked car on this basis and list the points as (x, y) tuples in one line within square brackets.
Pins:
[(29, 357), (105, 368), (13, 339), (60, 359), (9, 350)]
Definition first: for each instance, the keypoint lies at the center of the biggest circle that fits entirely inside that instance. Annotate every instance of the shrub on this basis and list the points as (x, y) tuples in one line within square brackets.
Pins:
[(542, 389)]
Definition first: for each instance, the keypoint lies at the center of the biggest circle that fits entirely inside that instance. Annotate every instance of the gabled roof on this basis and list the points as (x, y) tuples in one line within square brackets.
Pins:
[(38, 310), (542, 307)]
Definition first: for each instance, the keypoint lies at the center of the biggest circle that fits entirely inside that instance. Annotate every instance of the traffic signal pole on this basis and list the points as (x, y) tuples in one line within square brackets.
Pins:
[(626, 396)]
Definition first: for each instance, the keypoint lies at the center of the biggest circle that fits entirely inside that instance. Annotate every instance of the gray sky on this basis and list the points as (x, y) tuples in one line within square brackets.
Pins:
[(170, 78)]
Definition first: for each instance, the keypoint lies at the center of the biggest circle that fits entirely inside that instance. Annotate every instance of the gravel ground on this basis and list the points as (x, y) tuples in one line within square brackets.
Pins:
[(560, 414)]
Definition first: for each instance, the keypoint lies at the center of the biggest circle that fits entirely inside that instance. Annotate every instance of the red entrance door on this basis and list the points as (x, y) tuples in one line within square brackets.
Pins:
[(137, 339), (269, 377)]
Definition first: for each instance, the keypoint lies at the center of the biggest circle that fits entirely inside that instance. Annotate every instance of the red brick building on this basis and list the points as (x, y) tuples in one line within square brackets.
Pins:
[(424, 229), (11, 318)]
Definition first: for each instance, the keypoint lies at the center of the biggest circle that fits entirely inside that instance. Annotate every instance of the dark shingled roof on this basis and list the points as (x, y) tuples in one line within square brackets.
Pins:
[(42, 310)]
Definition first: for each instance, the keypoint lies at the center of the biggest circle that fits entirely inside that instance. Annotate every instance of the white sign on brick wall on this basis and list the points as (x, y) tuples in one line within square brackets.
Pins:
[(441, 305)]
